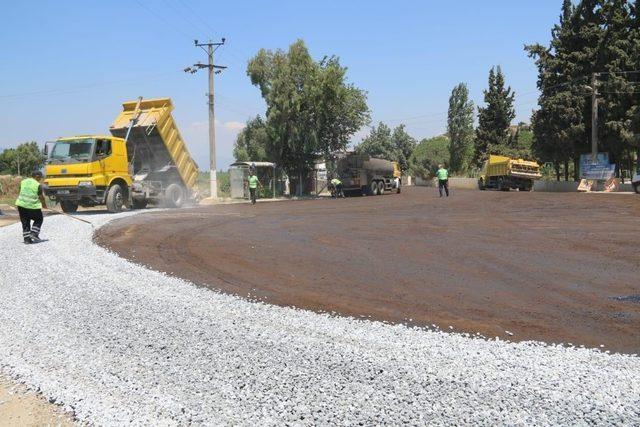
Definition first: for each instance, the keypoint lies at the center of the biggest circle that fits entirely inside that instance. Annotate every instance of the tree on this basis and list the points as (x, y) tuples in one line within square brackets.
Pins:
[(311, 109), (252, 143), (428, 154), (592, 36), (395, 146), (460, 129), (404, 145), (378, 143), (22, 160), (495, 118)]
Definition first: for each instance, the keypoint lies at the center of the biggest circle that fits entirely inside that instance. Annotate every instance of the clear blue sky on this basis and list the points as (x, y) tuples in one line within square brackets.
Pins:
[(66, 66)]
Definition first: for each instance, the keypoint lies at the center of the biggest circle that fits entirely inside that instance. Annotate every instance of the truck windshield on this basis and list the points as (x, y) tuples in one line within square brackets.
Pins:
[(72, 151)]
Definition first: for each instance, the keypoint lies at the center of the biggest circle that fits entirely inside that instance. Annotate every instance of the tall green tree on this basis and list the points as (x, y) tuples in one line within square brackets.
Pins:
[(382, 142), (311, 108), (593, 37), (378, 143), (252, 142), (22, 160), (404, 145), (428, 154), (494, 119), (460, 129)]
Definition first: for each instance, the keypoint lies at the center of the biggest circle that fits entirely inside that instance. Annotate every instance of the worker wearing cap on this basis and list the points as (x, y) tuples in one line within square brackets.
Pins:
[(443, 180), (337, 186), (30, 203), (253, 183)]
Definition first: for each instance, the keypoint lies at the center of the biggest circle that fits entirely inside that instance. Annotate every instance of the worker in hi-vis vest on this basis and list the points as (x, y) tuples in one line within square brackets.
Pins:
[(253, 182), (337, 187), (30, 203), (443, 180)]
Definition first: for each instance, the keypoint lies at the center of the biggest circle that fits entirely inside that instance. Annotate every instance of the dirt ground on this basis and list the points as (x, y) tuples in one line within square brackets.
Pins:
[(556, 267), (20, 407)]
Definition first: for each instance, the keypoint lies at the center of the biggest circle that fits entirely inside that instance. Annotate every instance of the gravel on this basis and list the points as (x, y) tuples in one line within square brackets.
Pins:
[(117, 343)]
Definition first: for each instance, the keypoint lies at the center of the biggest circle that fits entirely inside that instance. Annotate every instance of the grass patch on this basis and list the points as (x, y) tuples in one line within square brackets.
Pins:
[(224, 185)]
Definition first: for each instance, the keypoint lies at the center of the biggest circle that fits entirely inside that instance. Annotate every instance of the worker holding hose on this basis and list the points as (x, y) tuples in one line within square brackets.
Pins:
[(30, 203)]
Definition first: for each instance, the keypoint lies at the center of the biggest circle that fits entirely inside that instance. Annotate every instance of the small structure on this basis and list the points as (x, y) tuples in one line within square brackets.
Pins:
[(266, 171)]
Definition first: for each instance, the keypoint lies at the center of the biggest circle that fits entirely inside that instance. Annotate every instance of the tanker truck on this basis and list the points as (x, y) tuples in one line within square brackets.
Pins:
[(144, 160), (366, 175)]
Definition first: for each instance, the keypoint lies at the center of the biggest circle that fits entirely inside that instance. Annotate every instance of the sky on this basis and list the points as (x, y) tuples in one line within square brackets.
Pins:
[(67, 66)]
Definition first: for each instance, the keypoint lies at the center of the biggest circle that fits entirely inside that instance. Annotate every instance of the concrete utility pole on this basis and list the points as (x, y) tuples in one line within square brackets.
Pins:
[(594, 116), (213, 69)]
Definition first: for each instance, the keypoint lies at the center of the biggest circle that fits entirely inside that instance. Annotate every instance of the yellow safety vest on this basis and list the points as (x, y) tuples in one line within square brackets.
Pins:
[(28, 197)]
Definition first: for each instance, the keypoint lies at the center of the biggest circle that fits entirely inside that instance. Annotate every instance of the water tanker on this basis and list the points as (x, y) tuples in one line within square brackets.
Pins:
[(363, 174)]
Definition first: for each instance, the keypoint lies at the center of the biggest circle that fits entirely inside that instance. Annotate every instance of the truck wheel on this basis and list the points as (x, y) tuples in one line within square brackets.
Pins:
[(68, 206), (380, 187), (139, 203), (174, 196), (636, 187), (115, 198), (374, 188)]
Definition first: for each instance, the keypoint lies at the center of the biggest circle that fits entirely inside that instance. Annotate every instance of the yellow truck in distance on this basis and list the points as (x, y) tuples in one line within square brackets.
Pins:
[(144, 161), (504, 173)]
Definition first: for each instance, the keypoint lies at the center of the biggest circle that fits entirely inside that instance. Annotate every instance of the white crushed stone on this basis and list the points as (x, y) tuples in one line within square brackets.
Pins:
[(119, 344)]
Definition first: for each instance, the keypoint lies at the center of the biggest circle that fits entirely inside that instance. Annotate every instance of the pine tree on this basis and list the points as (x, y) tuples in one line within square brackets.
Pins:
[(460, 129), (495, 118)]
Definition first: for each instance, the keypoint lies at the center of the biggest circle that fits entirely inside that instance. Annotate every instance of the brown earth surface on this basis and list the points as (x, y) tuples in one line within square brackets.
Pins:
[(556, 267)]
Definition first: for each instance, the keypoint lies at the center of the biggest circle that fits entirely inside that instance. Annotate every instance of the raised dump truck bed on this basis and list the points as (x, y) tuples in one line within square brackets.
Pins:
[(504, 173), (158, 156)]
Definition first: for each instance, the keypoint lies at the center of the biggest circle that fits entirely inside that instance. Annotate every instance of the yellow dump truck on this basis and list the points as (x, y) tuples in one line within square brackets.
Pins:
[(504, 173), (144, 161)]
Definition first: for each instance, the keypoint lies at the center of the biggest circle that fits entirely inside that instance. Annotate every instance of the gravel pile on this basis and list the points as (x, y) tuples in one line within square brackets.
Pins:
[(117, 343)]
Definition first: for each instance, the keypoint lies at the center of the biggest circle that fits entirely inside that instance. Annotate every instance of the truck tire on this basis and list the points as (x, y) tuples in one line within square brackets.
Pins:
[(636, 187), (374, 188), (381, 187), (139, 203), (68, 206), (174, 196), (115, 198)]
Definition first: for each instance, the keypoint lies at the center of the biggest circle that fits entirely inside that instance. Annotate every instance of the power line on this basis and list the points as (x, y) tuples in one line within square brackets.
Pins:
[(161, 18), (88, 86), (186, 18)]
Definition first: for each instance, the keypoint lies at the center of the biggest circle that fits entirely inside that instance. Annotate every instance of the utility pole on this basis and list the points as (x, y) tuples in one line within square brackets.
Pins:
[(594, 116), (211, 47)]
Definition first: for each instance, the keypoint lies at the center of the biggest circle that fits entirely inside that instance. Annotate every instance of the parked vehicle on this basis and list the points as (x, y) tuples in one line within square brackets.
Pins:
[(503, 173), (366, 175), (144, 161), (635, 182)]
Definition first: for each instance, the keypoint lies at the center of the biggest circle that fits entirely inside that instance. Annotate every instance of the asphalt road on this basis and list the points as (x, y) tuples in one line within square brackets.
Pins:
[(555, 267)]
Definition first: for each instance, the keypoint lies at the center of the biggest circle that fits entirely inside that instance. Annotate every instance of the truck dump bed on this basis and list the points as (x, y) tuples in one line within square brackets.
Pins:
[(155, 144), (505, 166)]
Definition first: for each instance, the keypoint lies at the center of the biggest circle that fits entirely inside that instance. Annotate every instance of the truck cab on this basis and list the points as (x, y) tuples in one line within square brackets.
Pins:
[(88, 170)]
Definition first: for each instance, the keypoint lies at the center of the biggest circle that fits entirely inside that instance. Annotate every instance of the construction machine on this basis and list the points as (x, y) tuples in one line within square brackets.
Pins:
[(144, 160)]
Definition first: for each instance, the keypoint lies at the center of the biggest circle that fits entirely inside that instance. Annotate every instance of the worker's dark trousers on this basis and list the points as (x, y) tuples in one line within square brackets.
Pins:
[(28, 215), (443, 183), (252, 192)]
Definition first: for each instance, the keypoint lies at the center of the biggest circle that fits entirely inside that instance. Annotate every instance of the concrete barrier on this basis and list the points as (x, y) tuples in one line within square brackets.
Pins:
[(571, 187), (454, 183), (556, 186)]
